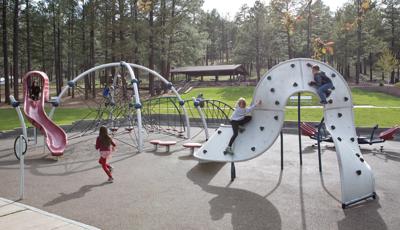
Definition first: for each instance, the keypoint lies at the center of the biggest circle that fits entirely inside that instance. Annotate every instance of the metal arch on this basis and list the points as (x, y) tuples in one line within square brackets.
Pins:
[(149, 104), (173, 90), (213, 102), (134, 85)]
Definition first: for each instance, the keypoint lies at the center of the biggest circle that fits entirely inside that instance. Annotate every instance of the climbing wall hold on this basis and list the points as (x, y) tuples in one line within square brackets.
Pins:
[(346, 98), (352, 139), (276, 117), (333, 75), (295, 84), (333, 127), (358, 172), (358, 155), (292, 65), (253, 149), (219, 132), (333, 88), (269, 77), (340, 114), (339, 139), (330, 101), (272, 90), (262, 128), (361, 159), (138, 106), (204, 151), (276, 102)]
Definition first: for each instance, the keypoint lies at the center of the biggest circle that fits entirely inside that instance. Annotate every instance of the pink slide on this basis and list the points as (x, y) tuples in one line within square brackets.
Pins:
[(56, 138)]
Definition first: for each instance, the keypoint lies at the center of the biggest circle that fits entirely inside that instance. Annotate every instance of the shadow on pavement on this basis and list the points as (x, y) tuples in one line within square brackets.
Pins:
[(248, 210), (75, 195), (364, 216)]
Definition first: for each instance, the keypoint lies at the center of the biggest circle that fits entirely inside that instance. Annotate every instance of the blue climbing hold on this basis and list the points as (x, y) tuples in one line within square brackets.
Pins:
[(71, 84), (138, 106)]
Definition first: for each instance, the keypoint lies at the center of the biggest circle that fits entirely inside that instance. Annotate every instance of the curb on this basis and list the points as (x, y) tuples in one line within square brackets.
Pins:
[(68, 221)]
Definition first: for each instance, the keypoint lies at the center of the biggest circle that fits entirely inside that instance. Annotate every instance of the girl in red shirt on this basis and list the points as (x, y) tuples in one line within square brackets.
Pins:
[(105, 145)]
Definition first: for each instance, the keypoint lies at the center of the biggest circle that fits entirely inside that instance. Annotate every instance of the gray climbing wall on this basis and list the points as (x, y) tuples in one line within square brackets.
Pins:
[(275, 88)]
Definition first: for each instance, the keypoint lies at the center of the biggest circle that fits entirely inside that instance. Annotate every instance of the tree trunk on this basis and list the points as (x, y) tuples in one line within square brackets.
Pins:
[(59, 77), (5, 54), (106, 58), (92, 57), (135, 37), (113, 36), (289, 44), (370, 66), (15, 49), (42, 49), (170, 41), (358, 42), (258, 47), (87, 83), (309, 30), (151, 53), (28, 36)]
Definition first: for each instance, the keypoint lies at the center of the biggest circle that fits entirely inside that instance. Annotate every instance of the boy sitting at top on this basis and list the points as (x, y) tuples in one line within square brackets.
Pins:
[(322, 83)]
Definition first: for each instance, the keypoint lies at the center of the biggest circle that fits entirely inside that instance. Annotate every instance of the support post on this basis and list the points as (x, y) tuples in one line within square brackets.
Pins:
[(281, 150), (35, 135), (319, 151), (21, 166), (298, 127), (319, 144), (233, 171)]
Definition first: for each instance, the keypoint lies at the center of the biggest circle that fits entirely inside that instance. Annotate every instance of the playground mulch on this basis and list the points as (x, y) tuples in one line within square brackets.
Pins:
[(159, 190)]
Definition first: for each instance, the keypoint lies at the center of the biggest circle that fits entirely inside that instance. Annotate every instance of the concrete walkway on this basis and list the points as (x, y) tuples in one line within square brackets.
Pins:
[(14, 215)]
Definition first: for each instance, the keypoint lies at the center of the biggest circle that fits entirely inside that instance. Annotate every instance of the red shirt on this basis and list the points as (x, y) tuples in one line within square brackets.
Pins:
[(101, 147)]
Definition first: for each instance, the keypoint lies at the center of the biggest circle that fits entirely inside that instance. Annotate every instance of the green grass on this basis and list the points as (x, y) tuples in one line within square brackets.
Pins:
[(365, 117), (362, 97), (229, 95)]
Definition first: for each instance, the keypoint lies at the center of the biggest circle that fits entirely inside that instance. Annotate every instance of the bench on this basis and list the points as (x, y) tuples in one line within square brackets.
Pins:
[(128, 129), (113, 130), (155, 143), (302, 99), (167, 144), (192, 146)]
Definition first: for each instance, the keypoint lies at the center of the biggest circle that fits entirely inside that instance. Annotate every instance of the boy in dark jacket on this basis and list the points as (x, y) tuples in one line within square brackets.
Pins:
[(322, 83)]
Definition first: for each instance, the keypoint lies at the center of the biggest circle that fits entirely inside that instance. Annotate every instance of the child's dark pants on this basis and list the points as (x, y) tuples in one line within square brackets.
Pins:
[(323, 89), (235, 127)]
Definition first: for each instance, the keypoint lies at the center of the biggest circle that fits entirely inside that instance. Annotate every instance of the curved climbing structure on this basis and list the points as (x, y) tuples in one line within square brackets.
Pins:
[(282, 81)]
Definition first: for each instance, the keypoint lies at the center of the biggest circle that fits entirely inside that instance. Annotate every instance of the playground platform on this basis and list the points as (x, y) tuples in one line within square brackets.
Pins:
[(160, 190)]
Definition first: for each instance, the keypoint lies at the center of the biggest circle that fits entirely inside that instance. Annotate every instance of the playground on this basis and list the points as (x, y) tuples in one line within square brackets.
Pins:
[(158, 190), (171, 171)]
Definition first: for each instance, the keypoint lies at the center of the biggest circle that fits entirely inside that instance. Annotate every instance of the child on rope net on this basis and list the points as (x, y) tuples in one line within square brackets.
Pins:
[(238, 119), (105, 145), (322, 83)]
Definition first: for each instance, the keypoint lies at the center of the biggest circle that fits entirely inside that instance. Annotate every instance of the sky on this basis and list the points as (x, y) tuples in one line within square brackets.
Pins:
[(225, 7)]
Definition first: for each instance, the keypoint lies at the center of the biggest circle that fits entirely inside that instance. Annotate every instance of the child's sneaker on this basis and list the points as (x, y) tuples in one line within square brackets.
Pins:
[(241, 129), (110, 180), (328, 93), (228, 150)]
